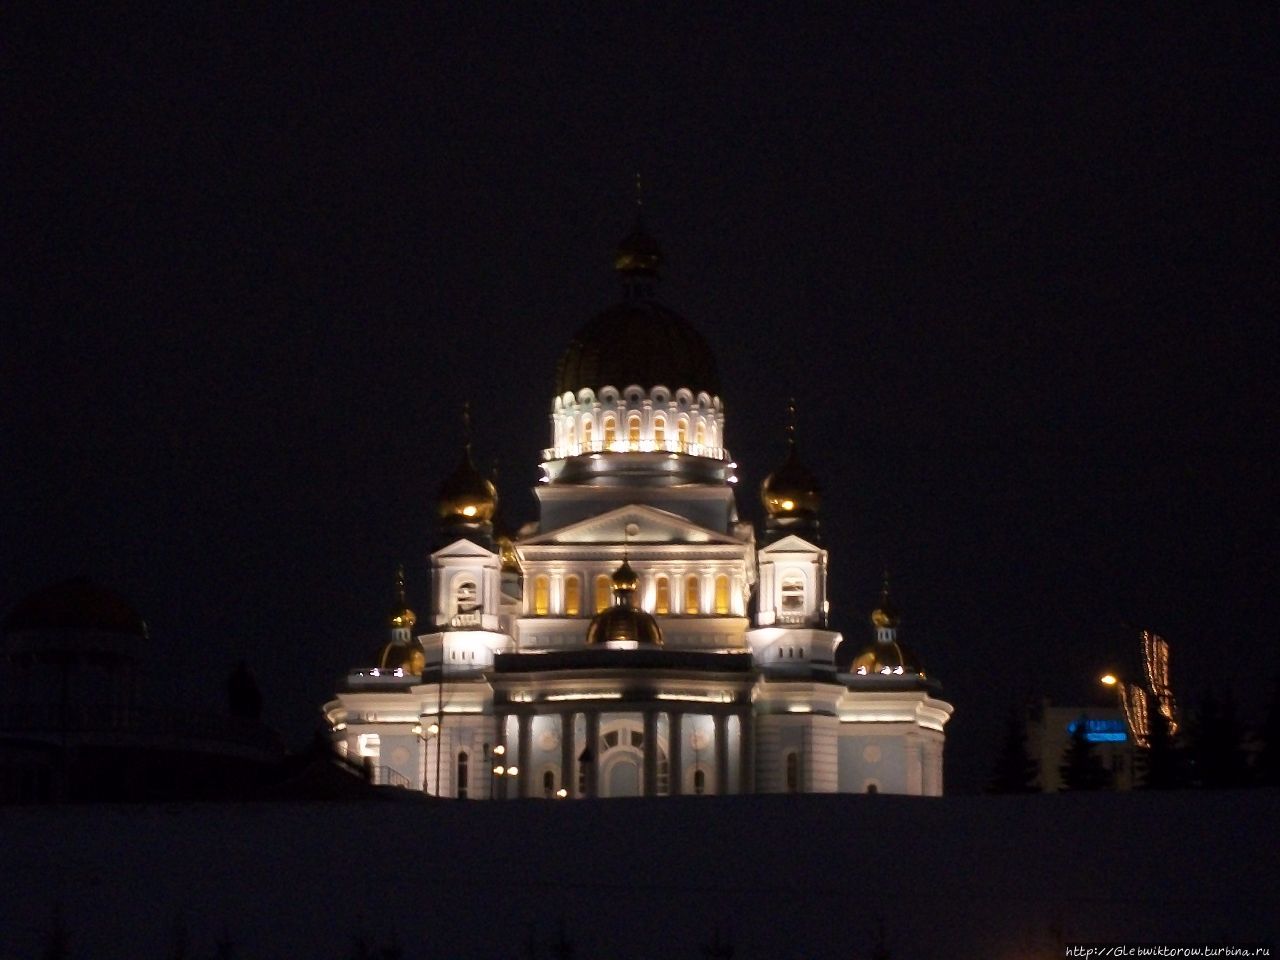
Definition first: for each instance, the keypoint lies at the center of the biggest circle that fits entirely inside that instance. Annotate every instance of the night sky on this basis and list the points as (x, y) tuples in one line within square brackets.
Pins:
[(1016, 264)]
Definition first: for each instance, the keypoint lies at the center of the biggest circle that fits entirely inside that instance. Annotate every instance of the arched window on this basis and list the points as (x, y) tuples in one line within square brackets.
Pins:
[(662, 596), (572, 596), (691, 594), (682, 434), (586, 433), (633, 431), (699, 782), (722, 594), (604, 593), (700, 435), (659, 431), (610, 430), (548, 784), (463, 769), (793, 772), (541, 595), (464, 596), (793, 592), (569, 434)]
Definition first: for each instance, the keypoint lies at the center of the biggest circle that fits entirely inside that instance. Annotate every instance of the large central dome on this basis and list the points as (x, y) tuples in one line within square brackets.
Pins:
[(639, 341)]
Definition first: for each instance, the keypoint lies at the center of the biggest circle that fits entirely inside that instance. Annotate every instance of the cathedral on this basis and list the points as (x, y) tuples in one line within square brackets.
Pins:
[(638, 639)]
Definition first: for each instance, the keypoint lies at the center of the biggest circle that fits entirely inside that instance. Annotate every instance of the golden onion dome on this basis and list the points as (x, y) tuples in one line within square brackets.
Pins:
[(885, 614), (624, 624), (791, 489), (466, 495), (625, 579)]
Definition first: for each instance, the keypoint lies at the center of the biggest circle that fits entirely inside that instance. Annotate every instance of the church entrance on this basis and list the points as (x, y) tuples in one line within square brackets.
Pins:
[(622, 750)]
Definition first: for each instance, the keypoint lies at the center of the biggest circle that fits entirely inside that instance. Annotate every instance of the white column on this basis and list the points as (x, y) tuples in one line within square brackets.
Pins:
[(675, 772), (593, 751), (650, 753), (526, 753), (568, 767), (722, 753)]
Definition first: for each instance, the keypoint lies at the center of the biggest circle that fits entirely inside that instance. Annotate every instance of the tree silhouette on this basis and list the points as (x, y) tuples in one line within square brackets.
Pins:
[(1016, 771), (1218, 743), (1082, 768), (1165, 769)]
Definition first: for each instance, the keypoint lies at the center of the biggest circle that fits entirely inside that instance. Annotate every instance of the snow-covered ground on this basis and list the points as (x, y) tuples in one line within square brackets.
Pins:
[(783, 877)]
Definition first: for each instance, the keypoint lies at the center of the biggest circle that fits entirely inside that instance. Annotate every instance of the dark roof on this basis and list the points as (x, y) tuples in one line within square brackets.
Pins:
[(638, 341), (76, 604)]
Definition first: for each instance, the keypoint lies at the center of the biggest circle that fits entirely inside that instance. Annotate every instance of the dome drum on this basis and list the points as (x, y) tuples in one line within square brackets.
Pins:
[(635, 469), (637, 421)]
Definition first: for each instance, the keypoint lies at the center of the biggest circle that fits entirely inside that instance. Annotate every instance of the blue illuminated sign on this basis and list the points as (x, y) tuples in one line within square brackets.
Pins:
[(1101, 731)]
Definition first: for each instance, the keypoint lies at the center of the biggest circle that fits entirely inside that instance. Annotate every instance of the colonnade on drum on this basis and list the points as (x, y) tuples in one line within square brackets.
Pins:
[(628, 750)]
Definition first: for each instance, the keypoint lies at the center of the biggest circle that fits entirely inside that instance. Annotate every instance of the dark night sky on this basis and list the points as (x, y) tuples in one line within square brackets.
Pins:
[(1015, 263)]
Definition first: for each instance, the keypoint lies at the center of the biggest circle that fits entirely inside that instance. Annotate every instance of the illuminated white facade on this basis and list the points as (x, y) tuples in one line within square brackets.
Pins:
[(638, 639)]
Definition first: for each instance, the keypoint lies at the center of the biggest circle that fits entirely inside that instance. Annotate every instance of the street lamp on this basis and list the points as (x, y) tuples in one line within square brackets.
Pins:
[(499, 771), (432, 730)]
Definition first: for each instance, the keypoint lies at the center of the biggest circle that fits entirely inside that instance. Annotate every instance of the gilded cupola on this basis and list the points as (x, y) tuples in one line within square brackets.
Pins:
[(624, 624), (886, 656), (402, 652), (467, 496), (791, 494)]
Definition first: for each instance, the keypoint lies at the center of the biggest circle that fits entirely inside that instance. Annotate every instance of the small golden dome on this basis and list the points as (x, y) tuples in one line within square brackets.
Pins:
[(507, 552), (403, 656), (625, 579), (791, 489), (885, 614), (466, 495), (885, 659), (402, 618), (624, 624)]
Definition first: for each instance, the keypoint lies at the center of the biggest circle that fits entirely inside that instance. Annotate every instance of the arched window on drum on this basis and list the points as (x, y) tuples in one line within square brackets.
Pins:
[(662, 596), (722, 595), (604, 593), (691, 594), (572, 596), (541, 595)]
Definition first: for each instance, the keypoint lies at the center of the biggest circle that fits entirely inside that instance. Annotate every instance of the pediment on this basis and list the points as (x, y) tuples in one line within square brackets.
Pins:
[(462, 547), (649, 525), (790, 544)]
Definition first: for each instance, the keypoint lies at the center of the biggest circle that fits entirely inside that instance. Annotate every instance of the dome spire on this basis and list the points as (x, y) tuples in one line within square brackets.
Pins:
[(638, 255), (467, 496), (885, 616), (791, 493), (402, 618)]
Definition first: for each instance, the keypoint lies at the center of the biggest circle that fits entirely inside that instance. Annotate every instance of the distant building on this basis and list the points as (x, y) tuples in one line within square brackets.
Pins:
[(77, 722), (638, 639), (1049, 732)]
